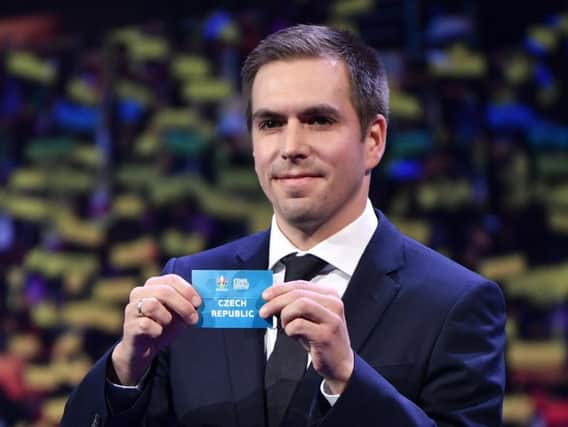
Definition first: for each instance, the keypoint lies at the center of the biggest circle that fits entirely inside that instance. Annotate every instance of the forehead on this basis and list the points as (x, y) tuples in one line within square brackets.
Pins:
[(299, 83)]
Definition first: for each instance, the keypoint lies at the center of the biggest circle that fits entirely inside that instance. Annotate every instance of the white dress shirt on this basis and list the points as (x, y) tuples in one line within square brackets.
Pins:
[(342, 251)]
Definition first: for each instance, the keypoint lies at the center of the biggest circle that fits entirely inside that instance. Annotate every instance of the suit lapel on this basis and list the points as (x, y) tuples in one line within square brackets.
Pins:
[(368, 295), (245, 347), (371, 289)]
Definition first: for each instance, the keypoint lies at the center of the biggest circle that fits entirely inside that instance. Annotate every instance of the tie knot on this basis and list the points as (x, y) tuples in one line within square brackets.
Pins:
[(302, 267)]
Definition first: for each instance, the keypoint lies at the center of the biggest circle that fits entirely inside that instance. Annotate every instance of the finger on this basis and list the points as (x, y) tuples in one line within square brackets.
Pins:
[(144, 326), (169, 297), (150, 307), (303, 329), (276, 304), (282, 288), (328, 344), (306, 332), (310, 310), (322, 335), (178, 283)]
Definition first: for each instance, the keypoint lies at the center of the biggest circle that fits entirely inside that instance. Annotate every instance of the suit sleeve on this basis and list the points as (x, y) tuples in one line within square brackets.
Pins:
[(89, 403), (463, 382)]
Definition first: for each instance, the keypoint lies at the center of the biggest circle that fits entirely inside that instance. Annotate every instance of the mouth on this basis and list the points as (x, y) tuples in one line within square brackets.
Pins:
[(296, 175), (296, 179), (297, 183)]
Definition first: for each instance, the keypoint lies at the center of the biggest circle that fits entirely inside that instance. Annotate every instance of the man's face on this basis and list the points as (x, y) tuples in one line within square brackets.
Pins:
[(311, 160)]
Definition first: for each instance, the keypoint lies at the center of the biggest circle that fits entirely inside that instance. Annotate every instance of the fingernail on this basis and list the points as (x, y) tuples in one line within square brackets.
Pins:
[(263, 311), (265, 295), (193, 318), (196, 301)]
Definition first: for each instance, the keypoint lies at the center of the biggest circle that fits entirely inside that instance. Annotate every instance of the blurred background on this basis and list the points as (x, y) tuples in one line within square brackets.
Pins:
[(123, 143)]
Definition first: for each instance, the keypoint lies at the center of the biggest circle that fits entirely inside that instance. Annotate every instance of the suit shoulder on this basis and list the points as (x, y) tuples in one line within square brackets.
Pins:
[(436, 285), (435, 271)]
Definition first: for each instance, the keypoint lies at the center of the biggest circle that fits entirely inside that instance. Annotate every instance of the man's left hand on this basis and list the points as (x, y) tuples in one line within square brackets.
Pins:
[(313, 313)]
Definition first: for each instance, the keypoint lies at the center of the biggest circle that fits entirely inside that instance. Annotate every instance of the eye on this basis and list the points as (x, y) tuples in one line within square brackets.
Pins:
[(320, 121), (269, 124)]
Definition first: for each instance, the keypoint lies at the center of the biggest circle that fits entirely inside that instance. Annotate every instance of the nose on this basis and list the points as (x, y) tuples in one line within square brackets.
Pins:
[(294, 144)]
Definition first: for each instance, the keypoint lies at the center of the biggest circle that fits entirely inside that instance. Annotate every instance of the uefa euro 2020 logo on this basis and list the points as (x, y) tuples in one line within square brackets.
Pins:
[(222, 283)]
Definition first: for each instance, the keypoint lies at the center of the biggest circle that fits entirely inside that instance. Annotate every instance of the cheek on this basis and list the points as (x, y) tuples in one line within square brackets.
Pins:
[(263, 158), (258, 170), (349, 169), (259, 163), (261, 167)]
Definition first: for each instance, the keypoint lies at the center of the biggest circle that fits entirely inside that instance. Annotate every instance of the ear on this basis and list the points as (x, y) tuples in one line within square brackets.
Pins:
[(375, 141)]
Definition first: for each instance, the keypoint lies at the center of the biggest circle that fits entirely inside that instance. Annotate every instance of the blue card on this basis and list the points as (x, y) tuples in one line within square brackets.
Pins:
[(231, 298)]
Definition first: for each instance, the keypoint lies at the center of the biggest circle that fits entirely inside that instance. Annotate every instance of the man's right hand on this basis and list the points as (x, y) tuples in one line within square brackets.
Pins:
[(169, 303)]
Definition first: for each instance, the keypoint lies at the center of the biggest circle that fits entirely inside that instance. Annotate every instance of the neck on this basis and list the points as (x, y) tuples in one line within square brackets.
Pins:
[(307, 234)]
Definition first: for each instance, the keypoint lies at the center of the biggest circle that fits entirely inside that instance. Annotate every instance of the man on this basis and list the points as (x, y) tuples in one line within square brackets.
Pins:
[(396, 334)]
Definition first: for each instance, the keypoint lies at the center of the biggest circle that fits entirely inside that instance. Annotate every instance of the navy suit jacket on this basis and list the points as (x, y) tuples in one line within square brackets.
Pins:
[(428, 337)]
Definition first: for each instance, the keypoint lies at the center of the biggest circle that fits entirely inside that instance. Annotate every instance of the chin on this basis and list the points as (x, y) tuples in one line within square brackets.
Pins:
[(300, 217)]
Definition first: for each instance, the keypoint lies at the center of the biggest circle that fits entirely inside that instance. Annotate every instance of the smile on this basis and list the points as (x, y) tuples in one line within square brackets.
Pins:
[(296, 179), (297, 184)]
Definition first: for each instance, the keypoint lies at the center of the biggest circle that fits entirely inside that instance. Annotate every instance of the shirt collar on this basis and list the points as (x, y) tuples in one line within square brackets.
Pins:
[(342, 250)]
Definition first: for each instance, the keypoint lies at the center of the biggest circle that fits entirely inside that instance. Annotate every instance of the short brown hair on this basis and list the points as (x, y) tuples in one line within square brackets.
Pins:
[(368, 80)]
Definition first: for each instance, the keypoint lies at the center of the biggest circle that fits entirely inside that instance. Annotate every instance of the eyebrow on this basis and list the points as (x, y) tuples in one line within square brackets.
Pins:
[(314, 110), (265, 113), (321, 110)]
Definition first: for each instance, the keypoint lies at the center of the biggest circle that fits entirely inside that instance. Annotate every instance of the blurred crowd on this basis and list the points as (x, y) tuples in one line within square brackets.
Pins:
[(120, 150)]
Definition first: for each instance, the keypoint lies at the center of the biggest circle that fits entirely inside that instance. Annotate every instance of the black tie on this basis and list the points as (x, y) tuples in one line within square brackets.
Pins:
[(287, 363)]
